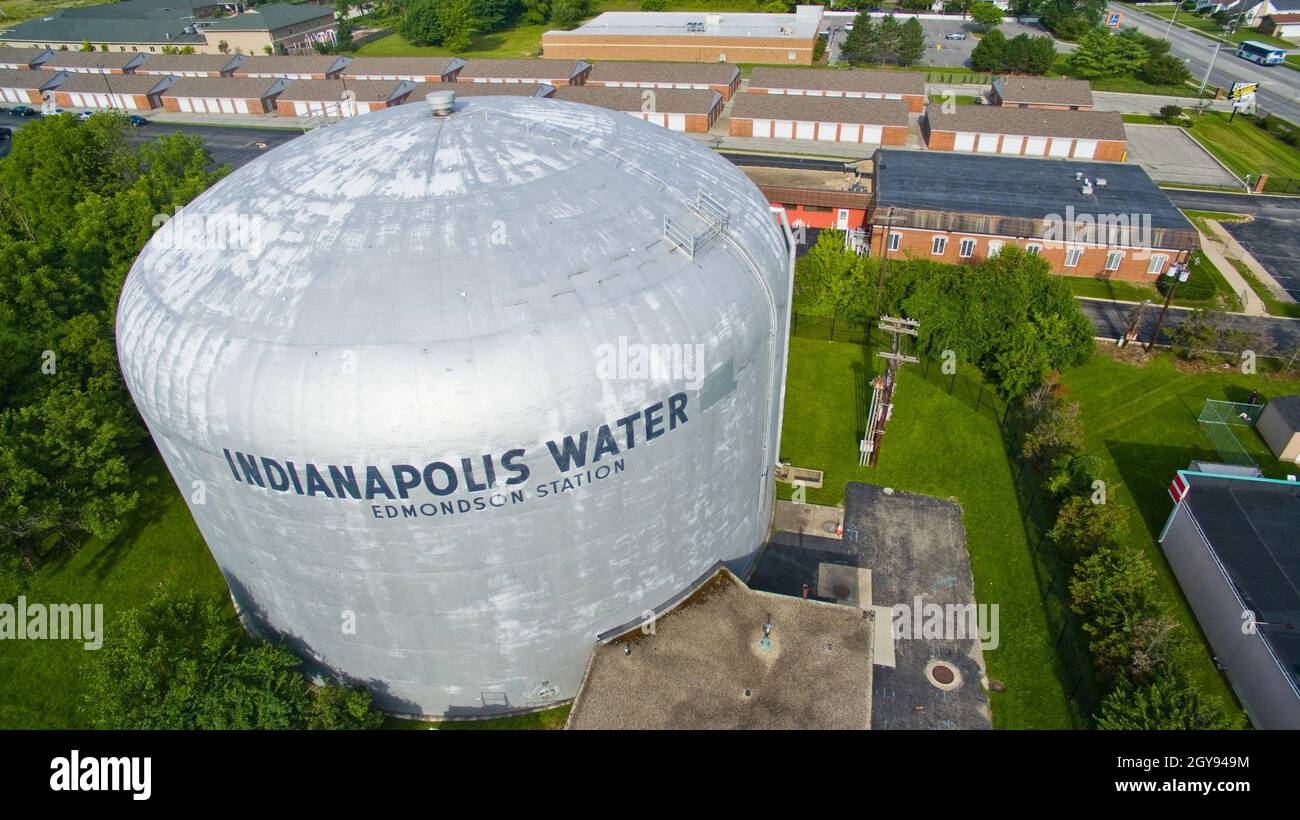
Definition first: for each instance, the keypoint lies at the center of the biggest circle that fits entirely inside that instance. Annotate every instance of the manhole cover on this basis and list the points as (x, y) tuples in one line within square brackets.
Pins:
[(942, 674), (831, 527), (841, 591)]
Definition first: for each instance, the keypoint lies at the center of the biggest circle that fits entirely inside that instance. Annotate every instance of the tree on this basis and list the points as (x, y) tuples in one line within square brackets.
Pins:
[(1051, 422), (569, 13), (223, 47), (1113, 591), (1171, 702), (77, 203), (456, 23), (859, 44), (911, 46), (1200, 334), (986, 15), (86, 46), (1083, 527), (889, 39), (419, 24), (183, 663), (1165, 69), (990, 53), (655, 5), (536, 12)]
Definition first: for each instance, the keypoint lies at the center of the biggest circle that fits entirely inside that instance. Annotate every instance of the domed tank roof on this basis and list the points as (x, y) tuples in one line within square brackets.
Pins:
[(401, 225)]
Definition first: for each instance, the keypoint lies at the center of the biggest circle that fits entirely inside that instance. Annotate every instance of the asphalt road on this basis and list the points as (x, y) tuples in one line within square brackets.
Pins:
[(1279, 91), (1111, 320)]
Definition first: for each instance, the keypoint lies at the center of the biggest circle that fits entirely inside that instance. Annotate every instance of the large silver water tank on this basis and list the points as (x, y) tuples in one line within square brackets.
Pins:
[(451, 395)]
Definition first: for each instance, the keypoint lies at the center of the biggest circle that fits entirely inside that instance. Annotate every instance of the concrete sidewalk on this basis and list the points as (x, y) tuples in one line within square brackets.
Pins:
[(1213, 248), (1231, 249)]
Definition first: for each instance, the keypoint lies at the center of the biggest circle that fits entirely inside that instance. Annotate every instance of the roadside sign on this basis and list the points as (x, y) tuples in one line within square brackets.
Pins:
[(1112, 21), (1242, 90)]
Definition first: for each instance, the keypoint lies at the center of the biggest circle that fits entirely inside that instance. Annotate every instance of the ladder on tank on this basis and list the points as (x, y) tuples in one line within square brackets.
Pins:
[(713, 218)]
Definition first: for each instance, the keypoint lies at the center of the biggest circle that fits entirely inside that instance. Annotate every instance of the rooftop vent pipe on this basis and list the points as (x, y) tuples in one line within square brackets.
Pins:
[(442, 102)]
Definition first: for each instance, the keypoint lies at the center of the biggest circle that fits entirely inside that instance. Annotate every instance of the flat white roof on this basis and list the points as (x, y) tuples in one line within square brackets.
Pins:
[(802, 24)]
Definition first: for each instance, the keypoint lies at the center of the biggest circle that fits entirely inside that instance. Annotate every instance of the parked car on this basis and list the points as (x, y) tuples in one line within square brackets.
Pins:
[(84, 115), (5, 134), (53, 112), (22, 111), (136, 119), (955, 35)]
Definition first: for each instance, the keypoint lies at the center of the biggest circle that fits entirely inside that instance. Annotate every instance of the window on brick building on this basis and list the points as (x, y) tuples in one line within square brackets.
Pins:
[(939, 245), (1113, 259), (1072, 256), (966, 248)]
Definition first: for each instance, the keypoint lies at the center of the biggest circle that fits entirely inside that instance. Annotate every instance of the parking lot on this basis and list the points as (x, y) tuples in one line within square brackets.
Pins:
[(940, 51), (1169, 154)]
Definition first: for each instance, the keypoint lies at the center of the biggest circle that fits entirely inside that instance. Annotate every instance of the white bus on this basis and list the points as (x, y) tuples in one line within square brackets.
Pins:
[(1261, 53)]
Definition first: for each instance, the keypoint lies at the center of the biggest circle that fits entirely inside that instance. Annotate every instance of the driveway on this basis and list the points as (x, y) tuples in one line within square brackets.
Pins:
[(1169, 154)]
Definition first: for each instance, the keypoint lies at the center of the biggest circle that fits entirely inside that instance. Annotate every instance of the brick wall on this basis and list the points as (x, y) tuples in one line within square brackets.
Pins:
[(684, 49), (1092, 260)]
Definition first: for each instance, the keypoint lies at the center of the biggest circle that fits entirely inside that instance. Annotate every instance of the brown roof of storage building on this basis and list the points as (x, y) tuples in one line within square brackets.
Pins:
[(401, 66), (705, 666), (286, 65), (187, 62), (1030, 122), (820, 109), (116, 83), (875, 82), (1285, 18), (532, 69), (26, 78), (90, 59), (674, 101), (249, 88), (485, 89), (332, 90), (21, 56), (635, 72), (1041, 91)]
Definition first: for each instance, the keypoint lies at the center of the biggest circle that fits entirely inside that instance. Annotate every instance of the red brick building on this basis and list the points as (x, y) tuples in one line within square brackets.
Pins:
[(557, 73), (814, 199), (675, 110), (125, 92), (908, 86), (693, 37), (719, 77), (821, 119), (989, 129), (223, 95), (1039, 92), (1096, 219)]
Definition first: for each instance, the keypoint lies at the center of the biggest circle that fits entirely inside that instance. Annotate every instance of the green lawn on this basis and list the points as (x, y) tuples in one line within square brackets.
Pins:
[(956, 99), (1245, 148), (40, 681), (937, 446), (1274, 305), (1207, 26), (546, 719), (1141, 424), (18, 11)]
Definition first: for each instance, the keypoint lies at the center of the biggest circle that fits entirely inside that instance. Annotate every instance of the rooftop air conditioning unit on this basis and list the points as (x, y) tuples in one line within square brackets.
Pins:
[(1078, 176), (714, 20), (1101, 183), (1086, 190)]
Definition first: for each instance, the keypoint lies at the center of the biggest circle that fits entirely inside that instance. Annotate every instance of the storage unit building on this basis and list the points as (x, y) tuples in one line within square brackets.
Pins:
[(337, 98), (25, 85), (722, 78), (1096, 219), (129, 92), (94, 62), (908, 86), (557, 73), (844, 120), (192, 65), (223, 95), (989, 129), (1231, 543), (24, 57), (675, 110), (1039, 92), (1279, 426), (484, 90), (415, 69), (293, 68)]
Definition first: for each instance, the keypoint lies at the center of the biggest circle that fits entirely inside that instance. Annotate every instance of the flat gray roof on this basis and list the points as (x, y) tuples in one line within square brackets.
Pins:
[(704, 666), (820, 109), (801, 25), (1024, 187)]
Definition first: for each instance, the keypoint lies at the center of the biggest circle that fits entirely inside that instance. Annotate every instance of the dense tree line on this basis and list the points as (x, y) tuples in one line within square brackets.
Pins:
[(77, 203), (1021, 54), (180, 663), (452, 23), (884, 41), (1008, 315), (1128, 53)]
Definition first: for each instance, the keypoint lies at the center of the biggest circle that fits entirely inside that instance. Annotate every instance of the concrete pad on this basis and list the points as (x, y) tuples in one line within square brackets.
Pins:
[(1169, 154), (844, 584), (883, 645), (808, 519)]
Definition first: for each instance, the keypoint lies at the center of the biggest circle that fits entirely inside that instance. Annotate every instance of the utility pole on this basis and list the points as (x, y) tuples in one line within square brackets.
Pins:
[(1200, 95), (882, 389), (884, 258), (1135, 319), (1177, 272), (1171, 20)]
